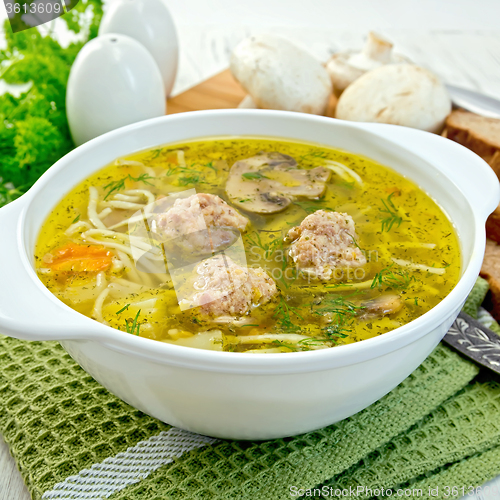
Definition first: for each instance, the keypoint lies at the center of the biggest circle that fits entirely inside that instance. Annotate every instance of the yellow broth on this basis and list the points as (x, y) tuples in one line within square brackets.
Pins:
[(394, 220)]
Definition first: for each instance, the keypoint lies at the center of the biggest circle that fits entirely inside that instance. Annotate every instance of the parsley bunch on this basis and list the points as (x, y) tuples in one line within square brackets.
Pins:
[(34, 130)]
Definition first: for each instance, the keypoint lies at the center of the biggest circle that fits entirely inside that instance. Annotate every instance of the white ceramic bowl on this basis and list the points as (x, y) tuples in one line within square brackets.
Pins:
[(237, 395)]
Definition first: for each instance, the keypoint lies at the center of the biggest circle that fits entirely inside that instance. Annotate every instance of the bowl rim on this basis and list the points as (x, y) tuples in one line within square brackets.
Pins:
[(242, 363)]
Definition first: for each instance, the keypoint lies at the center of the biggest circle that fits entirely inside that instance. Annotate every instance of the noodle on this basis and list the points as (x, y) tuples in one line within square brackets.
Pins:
[(74, 227), (92, 209), (97, 309)]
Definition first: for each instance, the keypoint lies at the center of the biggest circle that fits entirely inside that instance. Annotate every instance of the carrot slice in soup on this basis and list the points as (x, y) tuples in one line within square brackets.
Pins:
[(72, 257)]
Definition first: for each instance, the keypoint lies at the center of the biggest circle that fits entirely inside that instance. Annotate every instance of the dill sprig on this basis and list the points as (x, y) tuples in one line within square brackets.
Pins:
[(283, 314), (123, 309), (392, 214), (301, 345), (210, 165), (355, 242), (132, 326), (342, 312), (268, 248), (338, 306), (189, 175), (287, 345), (156, 153), (115, 186), (281, 279), (337, 331), (312, 206), (399, 280)]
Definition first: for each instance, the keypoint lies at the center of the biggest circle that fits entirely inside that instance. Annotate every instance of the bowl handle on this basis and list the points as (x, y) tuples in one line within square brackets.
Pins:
[(470, 173), (27, 309)]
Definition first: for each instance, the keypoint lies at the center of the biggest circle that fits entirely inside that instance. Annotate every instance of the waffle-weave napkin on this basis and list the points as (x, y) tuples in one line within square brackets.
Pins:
[(72, 439)]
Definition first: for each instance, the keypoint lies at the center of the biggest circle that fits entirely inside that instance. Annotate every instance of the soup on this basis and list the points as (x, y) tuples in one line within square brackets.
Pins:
[(248, 245)]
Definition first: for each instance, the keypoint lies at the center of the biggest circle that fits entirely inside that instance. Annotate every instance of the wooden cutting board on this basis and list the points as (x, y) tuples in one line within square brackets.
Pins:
[(221, 91)]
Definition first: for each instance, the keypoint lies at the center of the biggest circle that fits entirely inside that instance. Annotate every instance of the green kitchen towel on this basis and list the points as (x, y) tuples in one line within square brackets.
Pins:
[(58, 422), (476, 297), (72, 439), (454, 430)]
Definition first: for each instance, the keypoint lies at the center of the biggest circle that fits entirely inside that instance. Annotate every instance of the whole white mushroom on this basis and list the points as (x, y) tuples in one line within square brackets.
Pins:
[(279, 75), (347, 66), (401, 94)]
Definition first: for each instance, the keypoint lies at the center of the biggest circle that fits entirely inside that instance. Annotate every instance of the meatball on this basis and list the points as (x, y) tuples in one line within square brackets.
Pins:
[(323, 242), (200, 224), (224, 288)]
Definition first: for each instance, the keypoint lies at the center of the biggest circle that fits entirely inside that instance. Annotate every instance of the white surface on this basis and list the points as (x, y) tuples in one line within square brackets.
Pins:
[(113, 82), (458, 40)]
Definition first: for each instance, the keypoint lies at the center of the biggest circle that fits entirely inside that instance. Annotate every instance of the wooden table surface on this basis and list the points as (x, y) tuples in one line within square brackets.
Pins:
[(468, 59)]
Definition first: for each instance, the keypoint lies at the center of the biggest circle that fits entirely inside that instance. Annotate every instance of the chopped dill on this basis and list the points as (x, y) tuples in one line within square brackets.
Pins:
[(115, 186), (392, 216), (123, 309), (314, 154), (76, 219), (399, 280)]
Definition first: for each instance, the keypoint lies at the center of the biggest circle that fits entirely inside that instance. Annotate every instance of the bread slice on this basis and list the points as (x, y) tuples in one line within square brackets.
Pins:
[(478, 133), (481, 133), (493, 225), (494, 162), (491, 272)]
